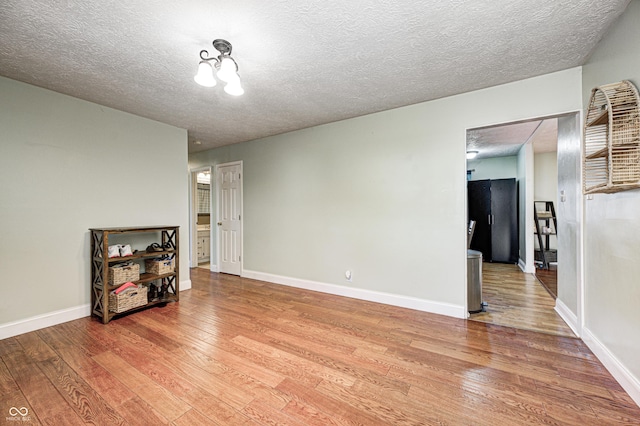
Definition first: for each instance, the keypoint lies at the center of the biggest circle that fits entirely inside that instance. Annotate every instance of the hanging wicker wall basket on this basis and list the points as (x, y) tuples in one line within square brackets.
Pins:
[(611, 154)]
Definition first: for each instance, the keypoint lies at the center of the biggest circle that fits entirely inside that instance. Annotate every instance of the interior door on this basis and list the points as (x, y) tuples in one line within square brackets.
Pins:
[(229, 218)]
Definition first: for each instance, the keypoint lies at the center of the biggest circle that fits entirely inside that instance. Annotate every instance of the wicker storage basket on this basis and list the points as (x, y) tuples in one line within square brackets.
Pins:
[(124, 274), (128, 300), (158, 267)]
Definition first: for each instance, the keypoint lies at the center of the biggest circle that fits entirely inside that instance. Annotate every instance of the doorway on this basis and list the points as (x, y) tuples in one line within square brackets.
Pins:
[(229, 227), (530, 152), (545, 205), (201, 202)]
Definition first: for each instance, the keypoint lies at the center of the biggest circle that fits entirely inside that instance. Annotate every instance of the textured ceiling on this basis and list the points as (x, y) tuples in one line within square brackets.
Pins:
[(506, 140), (302, 63), (545, 139)]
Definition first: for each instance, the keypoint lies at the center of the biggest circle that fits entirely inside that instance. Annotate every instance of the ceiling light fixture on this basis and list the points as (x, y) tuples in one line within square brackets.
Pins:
[(471, 155), (225, 66)]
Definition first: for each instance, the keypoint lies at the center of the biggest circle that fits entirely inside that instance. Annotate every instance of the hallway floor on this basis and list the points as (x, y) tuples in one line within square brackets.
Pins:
[(518, 300), (549, 279)]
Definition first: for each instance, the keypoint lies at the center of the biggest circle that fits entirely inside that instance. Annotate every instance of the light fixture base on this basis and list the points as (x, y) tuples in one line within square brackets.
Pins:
[(222, 46)]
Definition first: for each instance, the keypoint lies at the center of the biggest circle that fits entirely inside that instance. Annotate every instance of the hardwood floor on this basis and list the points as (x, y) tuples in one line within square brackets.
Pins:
[(549, 279), (519, 300), (236, 351)]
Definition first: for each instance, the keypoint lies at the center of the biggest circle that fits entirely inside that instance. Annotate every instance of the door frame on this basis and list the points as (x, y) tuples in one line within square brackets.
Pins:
[(193, 213), (574, 320), (241, 208)]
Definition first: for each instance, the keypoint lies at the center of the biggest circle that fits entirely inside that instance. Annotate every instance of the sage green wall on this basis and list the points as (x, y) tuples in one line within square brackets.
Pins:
[(493, 168), (383, 195), (67, 165), (506, 168), (612, 225)]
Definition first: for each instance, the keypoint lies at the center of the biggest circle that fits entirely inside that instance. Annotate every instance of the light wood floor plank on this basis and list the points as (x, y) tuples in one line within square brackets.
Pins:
[(167, 404), (12, 397), (43, 399)]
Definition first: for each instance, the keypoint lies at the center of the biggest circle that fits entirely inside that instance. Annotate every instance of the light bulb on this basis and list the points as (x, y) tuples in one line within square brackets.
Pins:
[(204, 77), (234, 88), (227, 69)]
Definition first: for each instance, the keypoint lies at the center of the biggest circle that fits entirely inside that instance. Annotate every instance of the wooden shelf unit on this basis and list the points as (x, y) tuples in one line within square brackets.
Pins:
[(101, 263), (544, 216), (611, 152)]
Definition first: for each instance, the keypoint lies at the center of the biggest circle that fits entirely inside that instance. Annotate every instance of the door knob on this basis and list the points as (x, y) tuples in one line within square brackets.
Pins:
[(219, 223)]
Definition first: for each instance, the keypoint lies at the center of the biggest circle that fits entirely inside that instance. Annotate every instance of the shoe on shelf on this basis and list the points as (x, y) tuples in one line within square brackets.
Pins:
[(114, 251), (154, 248), (125, 250)]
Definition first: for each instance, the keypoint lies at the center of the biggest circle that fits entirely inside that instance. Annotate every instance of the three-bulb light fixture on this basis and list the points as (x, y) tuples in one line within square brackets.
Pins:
[(225, 66)]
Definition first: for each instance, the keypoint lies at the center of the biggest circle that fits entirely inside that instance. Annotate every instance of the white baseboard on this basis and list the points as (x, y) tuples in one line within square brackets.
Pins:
[(37, 322), (42, 321), (524, 268), (569, 317), (214, 268), (619, 372), (185, 285), (448, 309)]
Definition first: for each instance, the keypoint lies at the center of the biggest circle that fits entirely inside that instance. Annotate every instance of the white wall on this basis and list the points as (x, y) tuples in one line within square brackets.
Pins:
[(67, 165), (569, 216), (493, 168), (612, 225), (382, 195), (545, 178)]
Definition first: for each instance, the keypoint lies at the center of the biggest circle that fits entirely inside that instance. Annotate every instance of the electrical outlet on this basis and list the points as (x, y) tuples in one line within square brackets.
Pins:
[(348, 275)]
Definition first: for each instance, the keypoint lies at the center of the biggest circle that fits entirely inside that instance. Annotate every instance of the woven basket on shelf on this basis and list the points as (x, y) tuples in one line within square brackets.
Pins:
[(128, 300), (158, 267), (124, 274)]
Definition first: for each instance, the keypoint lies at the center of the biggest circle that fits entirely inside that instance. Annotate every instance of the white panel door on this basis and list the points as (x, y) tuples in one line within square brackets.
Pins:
[(229, 217)]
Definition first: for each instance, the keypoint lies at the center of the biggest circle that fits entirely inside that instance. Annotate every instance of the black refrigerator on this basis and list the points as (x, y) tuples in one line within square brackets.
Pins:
[(493, 204)]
